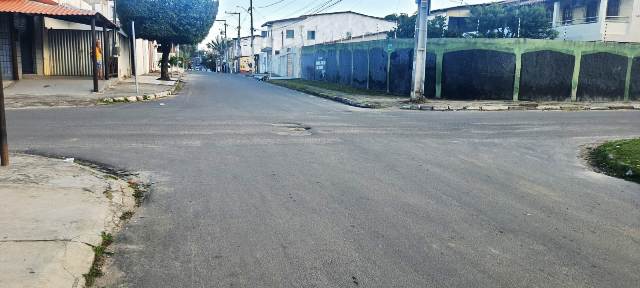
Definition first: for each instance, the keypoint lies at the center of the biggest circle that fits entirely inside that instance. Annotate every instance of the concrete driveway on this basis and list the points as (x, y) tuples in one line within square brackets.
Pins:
[(260, 186)]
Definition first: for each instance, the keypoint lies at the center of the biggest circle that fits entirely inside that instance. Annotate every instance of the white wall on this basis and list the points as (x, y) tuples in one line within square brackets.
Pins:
[(245, 44), (328, 28), (620, 30)]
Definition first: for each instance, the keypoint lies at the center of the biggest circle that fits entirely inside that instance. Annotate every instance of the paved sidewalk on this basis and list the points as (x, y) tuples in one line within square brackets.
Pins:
[(377, 100), (52, 214), (73, 92)]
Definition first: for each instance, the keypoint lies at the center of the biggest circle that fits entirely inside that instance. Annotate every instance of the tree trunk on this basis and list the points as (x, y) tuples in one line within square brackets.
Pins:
[(164, 67)]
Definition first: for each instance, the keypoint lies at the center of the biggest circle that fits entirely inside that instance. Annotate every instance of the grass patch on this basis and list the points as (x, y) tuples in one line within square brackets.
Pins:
[(619, 158), (126, 215), (139, 191), (298, 84), (98, 260), (179, 86)]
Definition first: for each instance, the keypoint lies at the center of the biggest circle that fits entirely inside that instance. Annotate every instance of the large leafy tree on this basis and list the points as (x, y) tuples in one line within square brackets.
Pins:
[(491, 21), (436, 27), (168, 22), (531, 21), (524, 21), (406, 25), (217, 49)]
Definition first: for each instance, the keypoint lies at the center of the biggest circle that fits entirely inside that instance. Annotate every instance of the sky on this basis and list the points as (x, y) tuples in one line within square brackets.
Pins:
[(280, 9)]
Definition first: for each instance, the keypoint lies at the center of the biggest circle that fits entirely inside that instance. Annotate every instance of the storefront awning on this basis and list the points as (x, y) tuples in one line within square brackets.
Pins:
[(50, 9)]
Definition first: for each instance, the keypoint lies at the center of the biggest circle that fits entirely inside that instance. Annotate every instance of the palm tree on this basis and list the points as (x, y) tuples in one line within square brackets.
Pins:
[(218, 48)]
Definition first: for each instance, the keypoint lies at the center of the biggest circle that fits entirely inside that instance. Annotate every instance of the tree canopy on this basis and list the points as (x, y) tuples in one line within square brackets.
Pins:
[(406, 25), (490, 21), (169, 21), (500, 21)]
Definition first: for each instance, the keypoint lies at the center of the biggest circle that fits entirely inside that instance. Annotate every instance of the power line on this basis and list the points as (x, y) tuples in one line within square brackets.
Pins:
[(272, 4), (319, 9)]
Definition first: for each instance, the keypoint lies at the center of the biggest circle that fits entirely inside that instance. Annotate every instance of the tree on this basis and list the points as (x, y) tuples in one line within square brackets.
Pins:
[(437, 28), (217, 50), (406, 25), (534, 22), (491, 21), (500, 21), (169, 22)]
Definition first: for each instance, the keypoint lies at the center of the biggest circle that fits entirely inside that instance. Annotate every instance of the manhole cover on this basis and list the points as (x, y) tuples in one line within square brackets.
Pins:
[(291, 129)]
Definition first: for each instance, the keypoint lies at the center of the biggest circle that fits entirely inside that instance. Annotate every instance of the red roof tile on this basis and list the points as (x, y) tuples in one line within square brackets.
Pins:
[(39, 8)]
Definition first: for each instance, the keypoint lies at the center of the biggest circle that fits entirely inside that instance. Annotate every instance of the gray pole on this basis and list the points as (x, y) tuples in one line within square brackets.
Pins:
[(94, 56), (253, 52), (226, 49), (4, 150), (238, 52), (420, 54), (133, 34)]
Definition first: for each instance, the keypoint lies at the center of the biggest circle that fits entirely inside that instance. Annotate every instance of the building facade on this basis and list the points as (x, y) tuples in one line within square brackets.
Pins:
[(53, 38), (579, 20), (598, 20), (283, 39)]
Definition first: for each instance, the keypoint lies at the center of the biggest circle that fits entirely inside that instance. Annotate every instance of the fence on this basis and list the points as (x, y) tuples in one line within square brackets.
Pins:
[(70, 52), (485, 69)]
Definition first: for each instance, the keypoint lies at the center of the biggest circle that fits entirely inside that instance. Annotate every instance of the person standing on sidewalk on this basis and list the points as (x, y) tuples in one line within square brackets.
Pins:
[(99, 60)]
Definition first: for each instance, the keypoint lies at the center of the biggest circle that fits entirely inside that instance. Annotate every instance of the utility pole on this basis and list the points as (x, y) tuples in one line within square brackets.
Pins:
[(226, 47), (4, 150), (253, 52), (420, 57), (239, 47)]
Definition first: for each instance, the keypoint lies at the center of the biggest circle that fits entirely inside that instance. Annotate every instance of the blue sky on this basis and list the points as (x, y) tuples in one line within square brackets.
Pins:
[(293, 8)]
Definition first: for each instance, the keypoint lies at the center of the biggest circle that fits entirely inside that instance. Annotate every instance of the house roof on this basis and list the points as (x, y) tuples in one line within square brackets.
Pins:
[(269, 23), (49, 9)]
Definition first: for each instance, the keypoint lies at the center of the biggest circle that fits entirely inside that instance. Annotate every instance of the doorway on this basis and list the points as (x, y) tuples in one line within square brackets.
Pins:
[(26, 47)]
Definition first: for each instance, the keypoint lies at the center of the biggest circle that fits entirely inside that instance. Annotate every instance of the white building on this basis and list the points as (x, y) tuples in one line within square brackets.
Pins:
[(243, 59), (598, 20), (284, 39), (580, 20)]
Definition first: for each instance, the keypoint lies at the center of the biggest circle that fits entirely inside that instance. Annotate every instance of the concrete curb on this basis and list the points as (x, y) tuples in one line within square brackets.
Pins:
[(340, 99), (489, 107), (143, 98), (521, 107)]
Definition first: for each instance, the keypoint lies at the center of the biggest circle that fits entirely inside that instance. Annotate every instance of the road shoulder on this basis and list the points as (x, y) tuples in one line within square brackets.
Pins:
[(54, 215)]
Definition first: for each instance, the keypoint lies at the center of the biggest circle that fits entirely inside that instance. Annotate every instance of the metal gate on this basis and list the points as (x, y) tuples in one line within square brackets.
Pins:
[(70, 52), (5, 47)]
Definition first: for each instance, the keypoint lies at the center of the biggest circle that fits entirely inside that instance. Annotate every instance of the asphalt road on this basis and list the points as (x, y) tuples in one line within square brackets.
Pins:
[(364, 198)]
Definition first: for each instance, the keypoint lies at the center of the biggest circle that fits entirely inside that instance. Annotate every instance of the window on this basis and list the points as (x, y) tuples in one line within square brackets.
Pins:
[(264, 34), (613, 8), (349, 35), (311, 35), (290, 34)]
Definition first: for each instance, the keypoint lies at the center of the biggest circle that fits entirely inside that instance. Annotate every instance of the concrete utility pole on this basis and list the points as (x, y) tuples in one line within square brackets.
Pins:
[(135, 72), (94, 55), (420, 54), (4, 150), (238, 52), (226, 48), (253, 52)]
